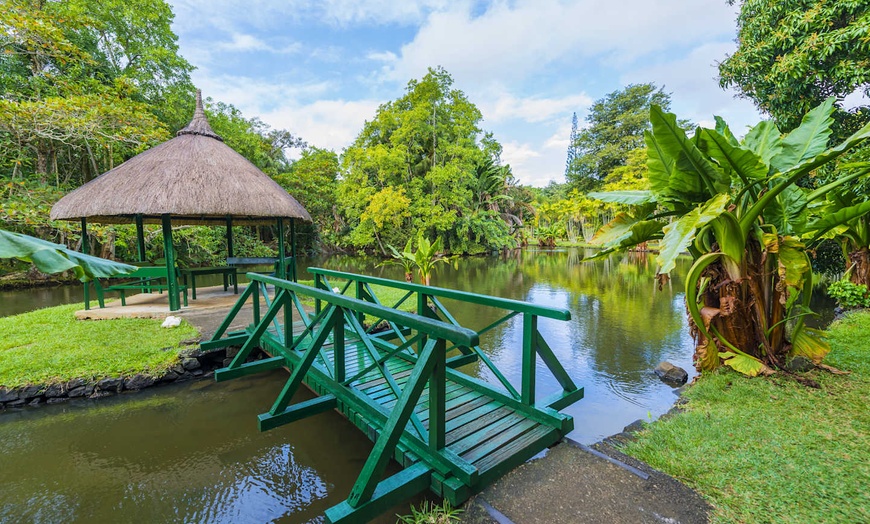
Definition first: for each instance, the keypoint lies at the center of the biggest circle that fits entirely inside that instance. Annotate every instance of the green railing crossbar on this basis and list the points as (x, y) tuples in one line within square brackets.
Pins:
[(434, 328), (474, 298)]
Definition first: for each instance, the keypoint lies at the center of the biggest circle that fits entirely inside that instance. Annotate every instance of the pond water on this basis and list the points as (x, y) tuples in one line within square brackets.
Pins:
[(192, 453)]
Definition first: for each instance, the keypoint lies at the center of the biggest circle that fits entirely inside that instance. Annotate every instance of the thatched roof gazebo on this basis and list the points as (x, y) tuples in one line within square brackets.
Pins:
[(194, 178)]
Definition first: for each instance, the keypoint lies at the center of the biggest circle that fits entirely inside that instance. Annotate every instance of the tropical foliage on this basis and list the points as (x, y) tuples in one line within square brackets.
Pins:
[(423, 164), (793, 55), (55, 258), (734, 205)]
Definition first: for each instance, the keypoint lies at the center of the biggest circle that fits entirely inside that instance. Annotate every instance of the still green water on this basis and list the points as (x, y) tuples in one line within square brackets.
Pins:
[(192, 452)]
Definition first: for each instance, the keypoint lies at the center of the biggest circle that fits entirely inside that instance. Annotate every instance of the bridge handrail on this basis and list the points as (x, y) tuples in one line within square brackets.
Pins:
[(436, 328), (465, 296)]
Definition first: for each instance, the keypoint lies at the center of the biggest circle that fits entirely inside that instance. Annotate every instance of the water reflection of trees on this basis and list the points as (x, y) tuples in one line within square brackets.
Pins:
[(620, 321)]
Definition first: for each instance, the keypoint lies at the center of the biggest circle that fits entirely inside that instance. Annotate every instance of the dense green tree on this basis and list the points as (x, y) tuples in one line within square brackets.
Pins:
[(417, 167), (85, 84), (793, 55), (312, 180), (615, 126)]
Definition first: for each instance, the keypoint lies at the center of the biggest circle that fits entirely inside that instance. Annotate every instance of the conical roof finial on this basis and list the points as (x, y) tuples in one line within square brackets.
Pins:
[(199, 124)]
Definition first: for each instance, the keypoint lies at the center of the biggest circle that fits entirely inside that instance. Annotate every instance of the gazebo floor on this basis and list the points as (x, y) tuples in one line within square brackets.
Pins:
[(156, 305)]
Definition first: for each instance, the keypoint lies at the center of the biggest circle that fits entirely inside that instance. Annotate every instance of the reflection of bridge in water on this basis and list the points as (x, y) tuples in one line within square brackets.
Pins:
[(396, 381)]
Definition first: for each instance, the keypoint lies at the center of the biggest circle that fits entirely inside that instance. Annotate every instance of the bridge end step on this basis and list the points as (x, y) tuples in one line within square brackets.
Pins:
[(267, 421), (233, 339), (249, 368), (389, 492)]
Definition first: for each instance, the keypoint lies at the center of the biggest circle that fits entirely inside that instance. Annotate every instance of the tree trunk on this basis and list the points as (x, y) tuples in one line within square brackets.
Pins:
[(859, 261)]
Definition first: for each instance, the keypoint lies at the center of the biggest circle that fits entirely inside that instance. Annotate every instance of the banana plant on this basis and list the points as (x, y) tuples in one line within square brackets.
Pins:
[(735, 207), (49, 257), (399, 258), (844, 215), (426, 257)]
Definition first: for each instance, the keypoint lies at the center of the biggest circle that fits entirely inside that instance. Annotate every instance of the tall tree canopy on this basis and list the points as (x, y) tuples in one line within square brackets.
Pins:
[(615, 126), (85, 84), (417, 167), (793, 55)]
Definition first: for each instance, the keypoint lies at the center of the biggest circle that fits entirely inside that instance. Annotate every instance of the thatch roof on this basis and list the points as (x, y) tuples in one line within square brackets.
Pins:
[(194, 177)]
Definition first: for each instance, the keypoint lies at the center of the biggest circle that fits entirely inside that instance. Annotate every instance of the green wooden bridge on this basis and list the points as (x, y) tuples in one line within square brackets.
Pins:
[(394, 374)]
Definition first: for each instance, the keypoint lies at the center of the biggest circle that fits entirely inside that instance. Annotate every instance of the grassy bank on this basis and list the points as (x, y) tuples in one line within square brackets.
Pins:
[(772, 450), (50, 345)]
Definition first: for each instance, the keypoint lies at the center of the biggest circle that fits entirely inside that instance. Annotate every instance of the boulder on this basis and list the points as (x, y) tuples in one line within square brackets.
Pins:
[(232, 351), (57, 400), (35, 402), (29, 392), (113, 384), (799, 364), (8, 395), (81, 391), (55, 390), (75, 383), (190, 363), (170, 376), (101, 393), (178, 369), (138, 381), (671, 374)]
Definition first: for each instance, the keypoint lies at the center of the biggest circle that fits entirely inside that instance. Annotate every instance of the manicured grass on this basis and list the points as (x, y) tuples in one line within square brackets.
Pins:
[(772, 450), (50, 345)]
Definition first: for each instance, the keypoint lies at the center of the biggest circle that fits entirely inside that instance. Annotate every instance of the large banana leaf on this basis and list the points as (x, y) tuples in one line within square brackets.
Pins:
[(743, 163), (787, 212), (679, 234), (629, 197), (55, 258), (693, 173), (832, 219), (723, 129), (807, 140), (764, 140), (624, 232)]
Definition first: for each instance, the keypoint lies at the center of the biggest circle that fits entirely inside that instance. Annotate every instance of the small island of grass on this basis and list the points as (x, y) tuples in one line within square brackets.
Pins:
[(50, 346)]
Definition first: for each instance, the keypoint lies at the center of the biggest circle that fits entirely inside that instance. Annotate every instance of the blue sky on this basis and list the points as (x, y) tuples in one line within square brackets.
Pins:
[(321, 68)]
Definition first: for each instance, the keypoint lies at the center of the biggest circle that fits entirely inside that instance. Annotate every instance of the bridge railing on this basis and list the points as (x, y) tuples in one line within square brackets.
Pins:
[(426, 301), (327, 327)]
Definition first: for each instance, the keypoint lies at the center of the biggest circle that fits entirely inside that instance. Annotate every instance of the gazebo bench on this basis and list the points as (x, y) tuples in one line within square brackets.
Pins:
[(228, 273), (145, 280), (262, 261)]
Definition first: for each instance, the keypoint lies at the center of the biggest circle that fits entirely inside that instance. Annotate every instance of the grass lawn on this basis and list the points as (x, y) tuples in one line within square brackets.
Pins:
[(772, 450), (50, 345)]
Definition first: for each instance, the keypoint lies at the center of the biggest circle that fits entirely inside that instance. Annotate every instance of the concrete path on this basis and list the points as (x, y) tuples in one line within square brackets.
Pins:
[(575, 484)]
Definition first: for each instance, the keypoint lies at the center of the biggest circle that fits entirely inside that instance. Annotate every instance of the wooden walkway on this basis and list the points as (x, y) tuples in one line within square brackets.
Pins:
[(452, 433)]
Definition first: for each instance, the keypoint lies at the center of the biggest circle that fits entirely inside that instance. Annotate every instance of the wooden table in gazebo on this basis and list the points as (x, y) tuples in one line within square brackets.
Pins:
[(192, 179)]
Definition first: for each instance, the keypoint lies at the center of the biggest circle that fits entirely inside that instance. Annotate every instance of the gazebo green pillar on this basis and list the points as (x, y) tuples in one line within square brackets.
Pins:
[(140, 238), (87, 293), (293, 248), (169, 255), (282, 259)]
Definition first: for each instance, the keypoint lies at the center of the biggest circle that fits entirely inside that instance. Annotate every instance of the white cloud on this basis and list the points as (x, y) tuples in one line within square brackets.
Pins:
[(243, 43), (382, 56), (331, 124), (531, 109), (510, 41), (695, 92)]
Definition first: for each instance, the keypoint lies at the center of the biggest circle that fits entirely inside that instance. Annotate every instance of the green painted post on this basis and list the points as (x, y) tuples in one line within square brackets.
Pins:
[(140, 238), (437, 397), (87, 294), (282, 264), (317, 279), (293, 248), (338, 348), (530, 331), (288, 318), (169, 255), (360, 294), (255, 297)]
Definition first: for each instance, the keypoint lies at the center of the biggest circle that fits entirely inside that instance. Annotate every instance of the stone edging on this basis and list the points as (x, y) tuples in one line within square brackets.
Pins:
[(193, 364)]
